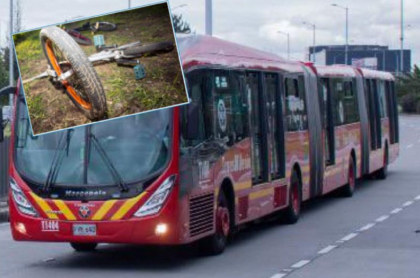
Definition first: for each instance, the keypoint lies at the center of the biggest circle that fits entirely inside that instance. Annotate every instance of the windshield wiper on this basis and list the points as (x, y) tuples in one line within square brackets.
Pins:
[(58, 159), (109, 164)]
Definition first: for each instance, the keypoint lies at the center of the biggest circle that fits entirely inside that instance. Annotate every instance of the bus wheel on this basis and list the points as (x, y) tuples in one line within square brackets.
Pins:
[(348, 189), (292, 212), (216, 244), (84, 247), (383, 172)]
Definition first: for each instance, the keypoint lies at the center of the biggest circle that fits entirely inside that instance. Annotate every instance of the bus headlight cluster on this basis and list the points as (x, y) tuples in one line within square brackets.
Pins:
[(22, 203), (157, 200)]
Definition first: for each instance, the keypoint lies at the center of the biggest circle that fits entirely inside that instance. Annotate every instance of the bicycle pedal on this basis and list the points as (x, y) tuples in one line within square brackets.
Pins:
[(139, 71), (99, 41)]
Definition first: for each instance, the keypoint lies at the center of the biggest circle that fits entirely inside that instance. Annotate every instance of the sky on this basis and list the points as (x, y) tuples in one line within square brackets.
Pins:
[(256, 23)]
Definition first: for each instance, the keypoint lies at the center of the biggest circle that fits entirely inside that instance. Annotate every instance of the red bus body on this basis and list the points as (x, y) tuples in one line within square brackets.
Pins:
[(189, 212)]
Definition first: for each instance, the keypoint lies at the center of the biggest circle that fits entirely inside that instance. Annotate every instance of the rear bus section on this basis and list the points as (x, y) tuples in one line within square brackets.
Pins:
[(382, 134)]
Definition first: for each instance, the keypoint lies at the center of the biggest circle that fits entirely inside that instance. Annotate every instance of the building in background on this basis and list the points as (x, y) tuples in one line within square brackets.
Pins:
[(367, 56)]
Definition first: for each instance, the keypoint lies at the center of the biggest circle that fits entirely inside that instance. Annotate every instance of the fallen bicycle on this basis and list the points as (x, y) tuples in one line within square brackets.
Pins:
[(71, 70)]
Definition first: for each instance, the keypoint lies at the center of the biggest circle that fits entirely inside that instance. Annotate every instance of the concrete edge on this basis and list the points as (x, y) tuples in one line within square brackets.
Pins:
[(4, 215)]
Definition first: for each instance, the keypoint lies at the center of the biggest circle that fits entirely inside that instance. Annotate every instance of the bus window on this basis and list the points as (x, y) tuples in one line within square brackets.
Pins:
[(231, 115), (345, 109), (295, 105), (199, 91), (382, 99)]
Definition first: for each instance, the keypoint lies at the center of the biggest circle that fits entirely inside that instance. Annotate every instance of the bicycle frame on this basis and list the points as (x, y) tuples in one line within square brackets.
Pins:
[(107, 55)]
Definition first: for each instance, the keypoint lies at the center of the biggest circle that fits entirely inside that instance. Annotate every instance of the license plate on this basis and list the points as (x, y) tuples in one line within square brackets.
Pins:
[(84, 230)]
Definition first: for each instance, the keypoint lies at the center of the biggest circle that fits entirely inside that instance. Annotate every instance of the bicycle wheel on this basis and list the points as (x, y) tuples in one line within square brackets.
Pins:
[(83, 87), (104, 26), (149, 48)]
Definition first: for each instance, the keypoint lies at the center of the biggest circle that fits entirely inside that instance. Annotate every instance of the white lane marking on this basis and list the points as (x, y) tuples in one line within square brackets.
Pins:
[(327, 249), (397, 210), (287, 270), (349, 237), (382, 218), (410, 146), (409, 203), (300, 264), (367, 227), (279, 275), (417, 198)]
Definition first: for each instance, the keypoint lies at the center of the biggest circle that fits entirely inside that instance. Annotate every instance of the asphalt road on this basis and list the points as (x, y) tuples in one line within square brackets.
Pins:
[(374, 234)]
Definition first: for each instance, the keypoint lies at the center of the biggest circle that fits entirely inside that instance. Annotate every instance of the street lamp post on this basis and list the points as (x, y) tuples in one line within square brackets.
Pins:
[(314, 38), (347, 31), (402, 38), (209, 17), (288, 43)]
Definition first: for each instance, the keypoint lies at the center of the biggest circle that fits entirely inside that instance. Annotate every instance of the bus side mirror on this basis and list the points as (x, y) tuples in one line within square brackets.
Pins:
[(193, 121)]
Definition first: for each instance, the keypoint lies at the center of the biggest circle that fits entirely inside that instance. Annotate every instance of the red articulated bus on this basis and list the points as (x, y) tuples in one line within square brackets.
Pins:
[(260, 136)]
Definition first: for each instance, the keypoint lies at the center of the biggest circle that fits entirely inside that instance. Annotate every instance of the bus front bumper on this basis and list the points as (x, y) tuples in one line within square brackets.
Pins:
[(161, 229)]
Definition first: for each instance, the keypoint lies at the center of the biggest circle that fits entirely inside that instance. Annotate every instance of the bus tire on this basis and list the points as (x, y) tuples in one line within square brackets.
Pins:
[(83, 87), (348, 189), (216, 243), (292, 213), (84, 247), (383, 172)]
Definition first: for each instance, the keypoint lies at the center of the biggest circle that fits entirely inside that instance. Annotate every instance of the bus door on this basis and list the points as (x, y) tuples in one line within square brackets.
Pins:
[(372, 101), (274, 108), (258, 128), (328, 122), (393, 111)]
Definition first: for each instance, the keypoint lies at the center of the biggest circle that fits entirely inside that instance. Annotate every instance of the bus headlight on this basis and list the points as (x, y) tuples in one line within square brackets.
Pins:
[(156, 201), (22, 203)]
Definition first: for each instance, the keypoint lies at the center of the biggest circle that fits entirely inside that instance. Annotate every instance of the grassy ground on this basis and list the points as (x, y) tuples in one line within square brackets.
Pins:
[(163, 86)]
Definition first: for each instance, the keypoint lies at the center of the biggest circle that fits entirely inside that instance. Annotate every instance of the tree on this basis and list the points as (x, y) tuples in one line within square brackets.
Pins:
[(180, 25), (408, 90)]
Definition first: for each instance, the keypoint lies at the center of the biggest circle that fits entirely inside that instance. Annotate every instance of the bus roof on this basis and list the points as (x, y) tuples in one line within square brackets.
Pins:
[(335, 71), (368, 73), (205, 50)]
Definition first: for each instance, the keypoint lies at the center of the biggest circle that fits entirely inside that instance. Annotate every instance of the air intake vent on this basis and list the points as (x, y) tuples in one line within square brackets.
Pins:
[(201, 214)]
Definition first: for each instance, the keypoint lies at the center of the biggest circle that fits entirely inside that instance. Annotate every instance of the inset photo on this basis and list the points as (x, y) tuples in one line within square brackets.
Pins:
[(100, 68)]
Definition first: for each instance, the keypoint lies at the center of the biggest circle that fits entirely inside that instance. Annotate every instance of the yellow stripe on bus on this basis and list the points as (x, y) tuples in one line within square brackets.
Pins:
[(100, 214), (126, 207), (44, 206), (261, 193), (65, 210)]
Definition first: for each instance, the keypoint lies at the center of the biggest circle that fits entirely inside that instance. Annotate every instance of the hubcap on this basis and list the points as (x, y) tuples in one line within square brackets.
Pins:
[(295, 198), (351, 176), (223, 221)]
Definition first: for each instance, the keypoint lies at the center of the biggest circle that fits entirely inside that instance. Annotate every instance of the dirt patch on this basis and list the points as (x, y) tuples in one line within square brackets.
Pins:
[(51, 109)]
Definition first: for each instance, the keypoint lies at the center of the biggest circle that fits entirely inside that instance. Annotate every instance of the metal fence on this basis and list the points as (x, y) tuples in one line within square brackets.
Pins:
[(4, 168)]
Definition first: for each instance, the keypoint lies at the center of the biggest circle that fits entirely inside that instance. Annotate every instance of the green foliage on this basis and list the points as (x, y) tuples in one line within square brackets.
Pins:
[(408, 90), (180, 25)]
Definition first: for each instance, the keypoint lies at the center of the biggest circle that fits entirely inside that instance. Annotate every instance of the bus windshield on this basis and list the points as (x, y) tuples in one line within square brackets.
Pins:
[(137, 147)]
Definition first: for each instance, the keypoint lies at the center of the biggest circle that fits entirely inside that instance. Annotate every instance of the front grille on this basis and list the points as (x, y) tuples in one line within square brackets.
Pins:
[(201, 214)]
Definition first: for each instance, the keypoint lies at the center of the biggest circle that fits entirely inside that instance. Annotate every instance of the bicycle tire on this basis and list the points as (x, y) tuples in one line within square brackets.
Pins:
[(105, 26), (149, 48), (84, 87)]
